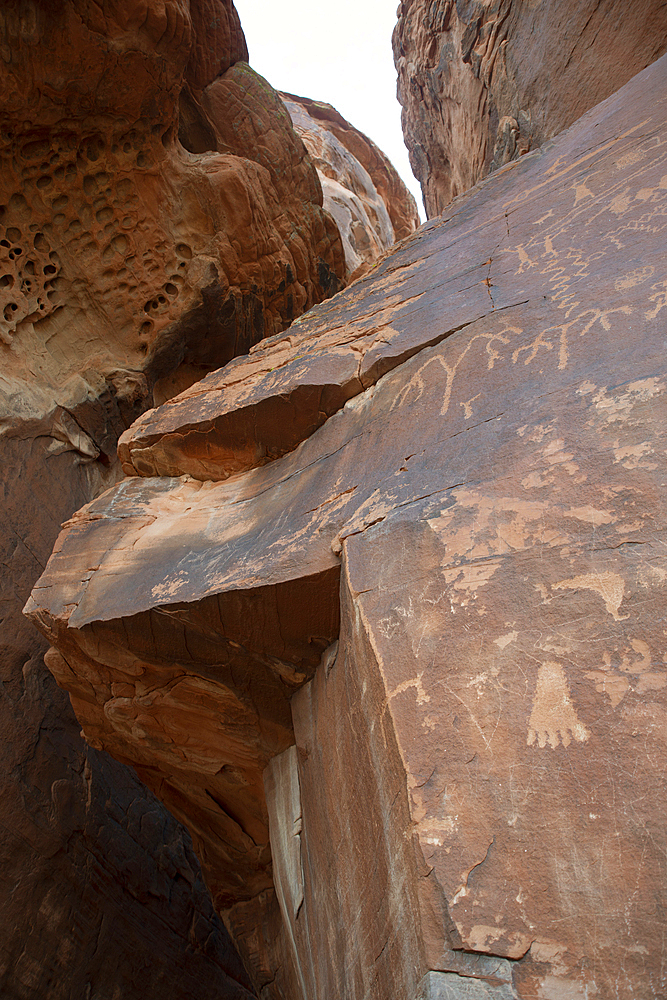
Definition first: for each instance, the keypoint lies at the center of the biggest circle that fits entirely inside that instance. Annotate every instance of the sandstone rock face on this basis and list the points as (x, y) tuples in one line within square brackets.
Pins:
[(484, 81), (362, 191), (131, 263), (444, 587), (100, 892), (115, 233)]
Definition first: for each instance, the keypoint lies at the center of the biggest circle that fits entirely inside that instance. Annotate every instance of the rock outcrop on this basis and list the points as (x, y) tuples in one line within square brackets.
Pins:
[(485, 81), (428, 605), (132, 262), (362, 191)]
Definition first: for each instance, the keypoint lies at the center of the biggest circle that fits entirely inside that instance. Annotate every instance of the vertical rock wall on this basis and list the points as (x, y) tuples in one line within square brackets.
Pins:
[(485, 81)]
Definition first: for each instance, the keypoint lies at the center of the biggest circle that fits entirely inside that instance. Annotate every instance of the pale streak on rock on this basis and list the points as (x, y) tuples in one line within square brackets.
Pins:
[(362, 191)]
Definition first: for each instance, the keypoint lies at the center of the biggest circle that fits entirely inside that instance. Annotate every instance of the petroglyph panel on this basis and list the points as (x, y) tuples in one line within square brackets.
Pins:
[(478, 473), (546, 261)]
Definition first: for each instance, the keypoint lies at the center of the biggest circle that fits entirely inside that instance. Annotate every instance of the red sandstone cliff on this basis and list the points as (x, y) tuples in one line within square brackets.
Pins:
[(411, 633), (484, 81), (158, 216), (377, 611)]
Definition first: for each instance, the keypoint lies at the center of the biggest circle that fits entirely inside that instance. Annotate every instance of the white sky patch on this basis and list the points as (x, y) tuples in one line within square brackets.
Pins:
[(339, 54)]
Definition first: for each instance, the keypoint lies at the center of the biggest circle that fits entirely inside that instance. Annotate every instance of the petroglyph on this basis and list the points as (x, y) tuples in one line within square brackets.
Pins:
[(613, 685), (618, 407), (553, 719), (471, 578), (632, 278), (525, 261), (504, 640), (582, 191), (590, 515), (610, 586), (390, 625), (554, 453), (563, 331), (467, 406), (659, 298), (417, 384), (434, 832), (631, 456), (416, 683), (485, 938), (537, 433), (551, 341), (482, 526), (633, 668)]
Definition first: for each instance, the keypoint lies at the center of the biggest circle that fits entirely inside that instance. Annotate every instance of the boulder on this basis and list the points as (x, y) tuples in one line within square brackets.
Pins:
[(362, 191), (484, 81), (442, 583)]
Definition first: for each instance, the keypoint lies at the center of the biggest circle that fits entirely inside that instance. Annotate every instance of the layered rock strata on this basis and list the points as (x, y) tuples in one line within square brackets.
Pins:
[(484, 81), (467, 514), (362, 191), (131, 265)]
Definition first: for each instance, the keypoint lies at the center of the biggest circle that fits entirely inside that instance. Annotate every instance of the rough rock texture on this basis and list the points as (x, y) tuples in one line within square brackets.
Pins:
[(100, 892), (117, 237), (130, 266), (479, 782), (484, 81), (362, 191)]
